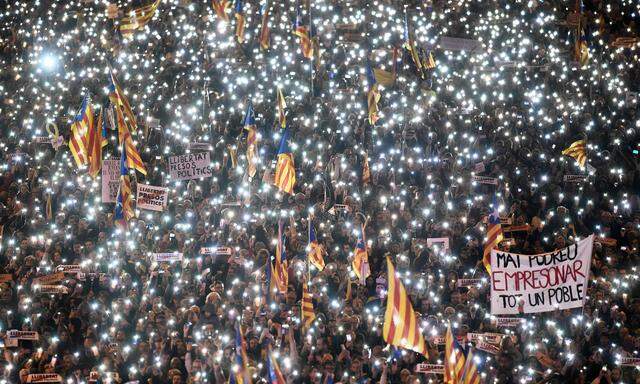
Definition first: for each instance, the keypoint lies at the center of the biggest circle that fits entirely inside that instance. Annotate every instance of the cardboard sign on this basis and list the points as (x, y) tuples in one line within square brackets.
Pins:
[(462, 283), (191, 166), (110, 180), (5, 277), (22, 335), (44, 378), (540, 283), (152, 198), (167, 257), (437, 369), (49, 279), (484, 180), (441, 242), (575, 178)]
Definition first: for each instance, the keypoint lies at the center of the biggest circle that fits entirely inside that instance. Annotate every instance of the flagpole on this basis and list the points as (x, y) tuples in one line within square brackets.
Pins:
[(311, 42)]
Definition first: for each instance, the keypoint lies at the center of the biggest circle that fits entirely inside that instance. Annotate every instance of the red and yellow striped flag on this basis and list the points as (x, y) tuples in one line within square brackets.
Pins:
[(82, 124), (577, 150), (315, 250), (252, 140), (303, 33), (280, 273), (138, 18), (281, 105), (494, 236), (360, 263), (95, 145), (265, 32), (471, 374), (285, 175), (126, 123), (220, 7), (307, 313), (454, 361), (400, 323)]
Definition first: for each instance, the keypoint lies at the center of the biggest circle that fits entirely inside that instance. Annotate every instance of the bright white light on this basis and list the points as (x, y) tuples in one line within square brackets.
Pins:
[(48, 62)]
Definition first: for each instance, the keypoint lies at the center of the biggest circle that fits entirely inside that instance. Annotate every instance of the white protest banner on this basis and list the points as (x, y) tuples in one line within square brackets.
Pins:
[(630, 361), (540, 283), (152, 198), (485, 180), (190, 166), (437, 369), (22, 335), (110, 180), (166, 257), (44, 378), (508, 321), (441, 242)]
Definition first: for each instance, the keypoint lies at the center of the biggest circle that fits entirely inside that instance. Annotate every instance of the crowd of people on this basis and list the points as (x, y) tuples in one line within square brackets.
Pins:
[(504, 109)]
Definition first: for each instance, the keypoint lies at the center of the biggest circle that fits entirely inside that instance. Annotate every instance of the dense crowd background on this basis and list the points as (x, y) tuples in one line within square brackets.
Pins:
[(512, 105)]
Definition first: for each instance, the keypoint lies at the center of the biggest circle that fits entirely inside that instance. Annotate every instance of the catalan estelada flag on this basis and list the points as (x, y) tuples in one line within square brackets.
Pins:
[(252, 140), (471, 374), (281, 106), (366, 171), (240, 372), (124, 201), (411, 47), (265, 32), (307, 313), (577, 150), (428, 61), (80, 127), (401, 326), (138, 18), (373, 96), (316, 252), (494, 236), (360, 263), (95, 144), (280, 273), (285, 175), (304, 35), (220, 7), (125, 120), (454, 360), (240, 21), (273, 369)]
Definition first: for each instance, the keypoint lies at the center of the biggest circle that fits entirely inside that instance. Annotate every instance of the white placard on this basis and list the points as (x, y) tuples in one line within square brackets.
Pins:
[(485, 180), (540, 283), (190, 166), (437, 369), (110, 180), (152, 198), (22, 335), (44, 378)]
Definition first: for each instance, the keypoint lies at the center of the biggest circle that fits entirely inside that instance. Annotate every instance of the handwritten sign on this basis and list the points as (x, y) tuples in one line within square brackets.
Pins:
[(152, 198), (110, 180), (190, 166), (540, 283)]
